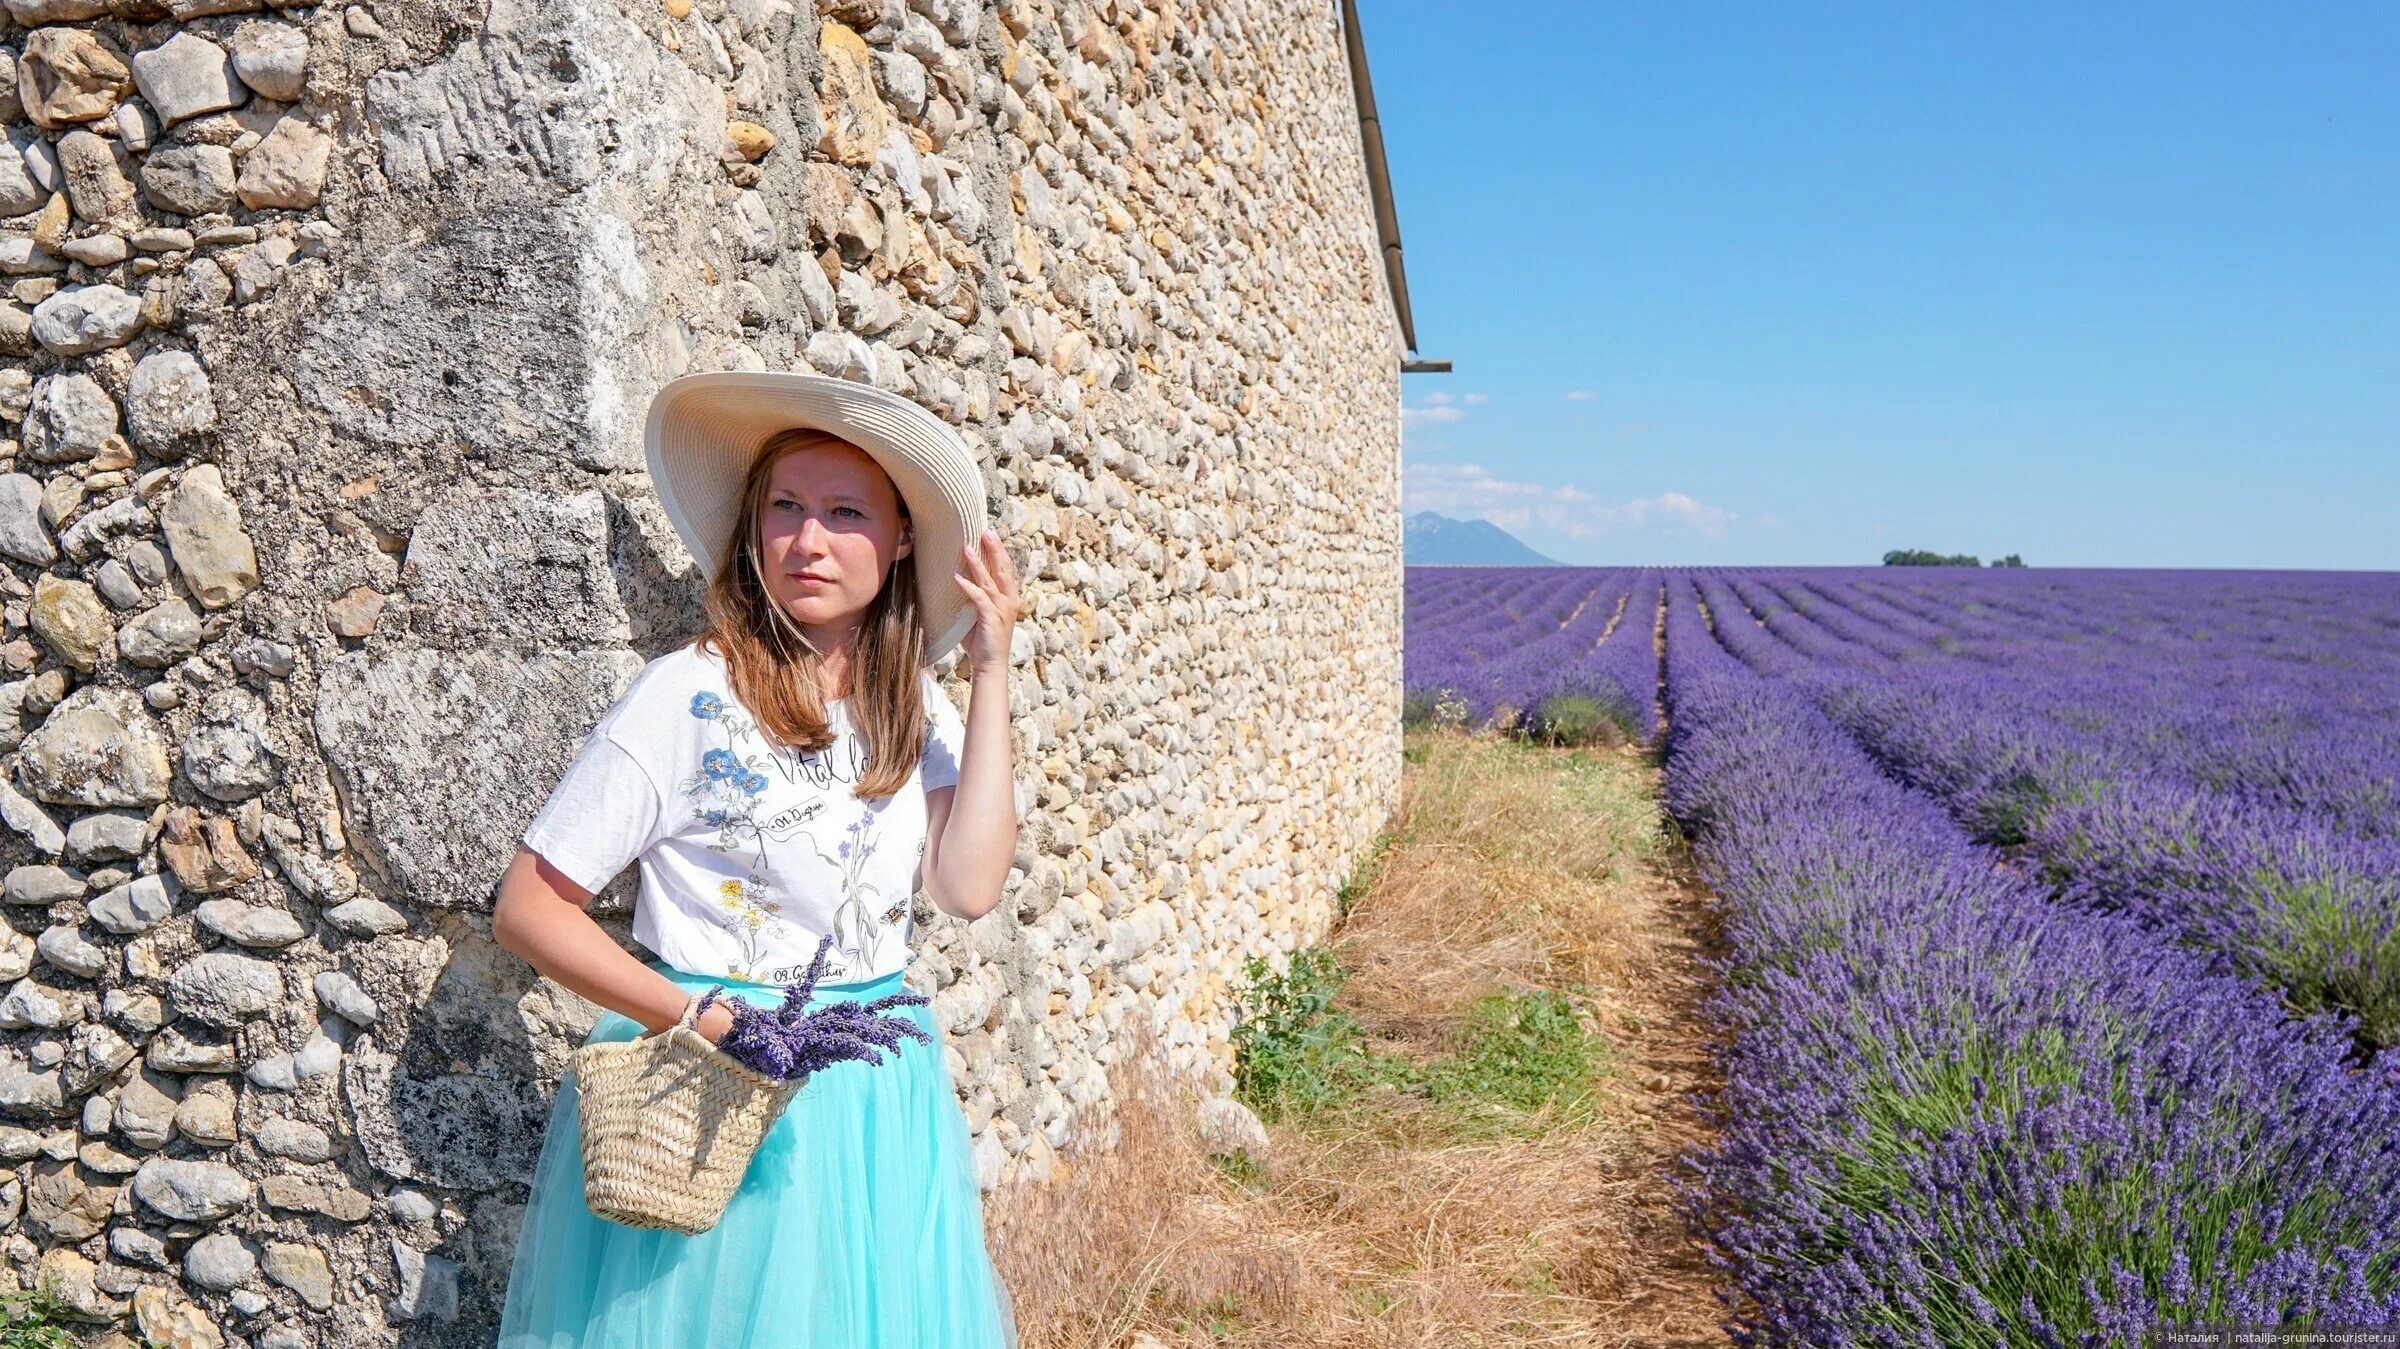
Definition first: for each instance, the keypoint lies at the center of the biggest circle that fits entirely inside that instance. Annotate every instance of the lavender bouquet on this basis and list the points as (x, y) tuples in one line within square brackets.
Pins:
[(786, 1041)]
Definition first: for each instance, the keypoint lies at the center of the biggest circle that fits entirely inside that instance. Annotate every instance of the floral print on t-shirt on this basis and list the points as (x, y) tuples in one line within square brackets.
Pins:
[(725, 794)]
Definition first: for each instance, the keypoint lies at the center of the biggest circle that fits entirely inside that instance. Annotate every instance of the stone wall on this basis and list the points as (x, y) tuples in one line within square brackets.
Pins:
[(327, 339)]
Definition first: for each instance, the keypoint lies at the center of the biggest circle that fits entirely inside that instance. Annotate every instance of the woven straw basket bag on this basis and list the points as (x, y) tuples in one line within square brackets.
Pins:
[(669, 1125)]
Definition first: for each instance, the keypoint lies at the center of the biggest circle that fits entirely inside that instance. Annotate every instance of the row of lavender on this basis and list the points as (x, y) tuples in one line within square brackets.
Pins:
[(1502, 644), (2219, 756), (1958, 1112)]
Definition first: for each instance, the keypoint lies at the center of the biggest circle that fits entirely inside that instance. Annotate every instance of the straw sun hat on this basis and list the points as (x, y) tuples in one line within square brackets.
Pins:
[(705, 429)]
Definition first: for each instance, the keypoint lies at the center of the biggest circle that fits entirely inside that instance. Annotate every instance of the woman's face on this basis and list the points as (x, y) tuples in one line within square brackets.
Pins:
[(830, 527)]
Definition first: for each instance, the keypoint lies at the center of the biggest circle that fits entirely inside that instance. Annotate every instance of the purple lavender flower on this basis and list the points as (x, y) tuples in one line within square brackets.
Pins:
[(789, 1039)]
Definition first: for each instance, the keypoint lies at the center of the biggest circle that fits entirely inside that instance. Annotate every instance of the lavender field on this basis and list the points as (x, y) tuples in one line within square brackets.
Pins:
[(2063, 925)]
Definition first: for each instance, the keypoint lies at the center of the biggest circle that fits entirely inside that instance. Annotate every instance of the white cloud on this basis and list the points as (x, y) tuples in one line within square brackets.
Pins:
[(1459, 487), (1473, 397), (1580, 395), (1437, 415), (1676, 506), (1467, 491)]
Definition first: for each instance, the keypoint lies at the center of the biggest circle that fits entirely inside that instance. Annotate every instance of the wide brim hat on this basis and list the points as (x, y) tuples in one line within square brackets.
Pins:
[(704, 430)]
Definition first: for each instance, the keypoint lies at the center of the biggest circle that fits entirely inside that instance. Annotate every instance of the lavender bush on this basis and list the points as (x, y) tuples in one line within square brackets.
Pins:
[(1957, 1112), (2215, 755), (789, 1040), (1541, 651)]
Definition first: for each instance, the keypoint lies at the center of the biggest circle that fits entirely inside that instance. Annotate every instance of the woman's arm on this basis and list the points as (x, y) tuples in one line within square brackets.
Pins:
[(545, 919), (971, 829)]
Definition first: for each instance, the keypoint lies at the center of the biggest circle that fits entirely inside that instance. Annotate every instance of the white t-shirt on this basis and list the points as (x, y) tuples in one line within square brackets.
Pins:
[(750, 852)]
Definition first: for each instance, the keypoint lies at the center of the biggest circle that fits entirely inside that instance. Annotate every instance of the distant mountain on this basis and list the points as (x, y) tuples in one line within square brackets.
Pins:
[(1430, 539)]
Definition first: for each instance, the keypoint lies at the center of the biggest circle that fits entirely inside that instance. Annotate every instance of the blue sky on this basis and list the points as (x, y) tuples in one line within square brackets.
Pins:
[(2104, 285)]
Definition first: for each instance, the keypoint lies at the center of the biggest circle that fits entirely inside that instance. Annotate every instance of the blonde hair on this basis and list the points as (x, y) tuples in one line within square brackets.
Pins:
[(772, 667)]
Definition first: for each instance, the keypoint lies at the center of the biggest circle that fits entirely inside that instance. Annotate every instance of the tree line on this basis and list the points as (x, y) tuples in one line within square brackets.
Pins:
[(1919, 557)]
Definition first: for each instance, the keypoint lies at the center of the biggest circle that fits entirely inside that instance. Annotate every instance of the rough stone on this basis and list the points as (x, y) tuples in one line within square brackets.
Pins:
[(99, 747), (16, 954), (226, 754), (135, 906), (411, 1206), (70, 75), (167, 1319), (749, 140), (185, 76), (317, 1057), (460, 1130), (517, 568), (260, 268), (366, 916), (205, 1115), (26, 1091), (205, 854), (74, 1276), (349, 614), (23, 535), (189, 179), (39, 884), (301, 1269), (224, 989), (192, 1191), (428, 1284), (99, 179), (338, 1201), (220, 1261), (71, 417), (135, 1246), (169, 403), (114, 580), (172, 1051), (287, 168), (34, 13), (106, 836), (30, 1004), (136, 128), (94, 1052), (341, 993), (205, 536), (145, 1111), (96, 250), (65, 948), (252, 925), (20, 192), (79, 320), (272, 58), (282, 1136), (28, 819), (160, 635), (139, 1013), (70, 619), (162, 239), (852, 114), (387, 720), (23, 256)]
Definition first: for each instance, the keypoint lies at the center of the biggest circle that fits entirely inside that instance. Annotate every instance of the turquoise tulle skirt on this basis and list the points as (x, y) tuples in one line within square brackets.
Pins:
[(859, 1224)]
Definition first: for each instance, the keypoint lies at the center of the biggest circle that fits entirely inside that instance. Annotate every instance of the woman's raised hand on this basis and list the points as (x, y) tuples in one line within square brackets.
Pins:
[(990, 582)]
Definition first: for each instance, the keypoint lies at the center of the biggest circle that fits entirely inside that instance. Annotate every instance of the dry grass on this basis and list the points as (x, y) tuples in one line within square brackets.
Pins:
[(1378, 1223)]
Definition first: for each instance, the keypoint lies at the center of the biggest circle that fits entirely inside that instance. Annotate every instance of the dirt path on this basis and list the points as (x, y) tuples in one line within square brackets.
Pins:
[(1434, 1176), (1671, 928)]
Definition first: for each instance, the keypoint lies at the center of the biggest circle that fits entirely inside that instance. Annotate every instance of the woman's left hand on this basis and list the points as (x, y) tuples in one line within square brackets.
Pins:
[(990, 583)]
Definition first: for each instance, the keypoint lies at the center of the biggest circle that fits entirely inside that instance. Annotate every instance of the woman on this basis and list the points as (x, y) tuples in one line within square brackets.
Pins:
[(792, 773)]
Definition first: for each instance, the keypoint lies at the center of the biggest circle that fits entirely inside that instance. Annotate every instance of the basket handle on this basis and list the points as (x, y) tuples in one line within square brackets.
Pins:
[(691, 1011)]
